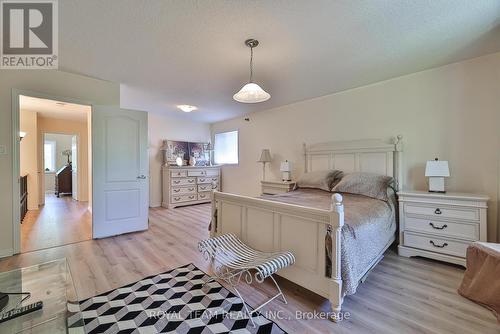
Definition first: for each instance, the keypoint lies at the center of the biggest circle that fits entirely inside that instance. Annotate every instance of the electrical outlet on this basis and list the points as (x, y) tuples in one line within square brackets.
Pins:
[(3, 149)]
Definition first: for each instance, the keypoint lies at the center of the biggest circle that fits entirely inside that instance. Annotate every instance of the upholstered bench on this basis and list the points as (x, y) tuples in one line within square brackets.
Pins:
[(481, 282), (232, 259)]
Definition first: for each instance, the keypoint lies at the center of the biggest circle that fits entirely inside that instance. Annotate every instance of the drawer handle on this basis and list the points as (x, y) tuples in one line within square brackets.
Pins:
[(191, 189), (437, 211), (177, 182), (202, 196), (202, 180), (190, 181), (436, 245), (176, 190), (438, 227), (177, 198), (214, 179), (203, 188), (191, 197)]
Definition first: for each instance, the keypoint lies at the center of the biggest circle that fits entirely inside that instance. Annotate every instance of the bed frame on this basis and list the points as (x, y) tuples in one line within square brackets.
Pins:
[(272, 226)]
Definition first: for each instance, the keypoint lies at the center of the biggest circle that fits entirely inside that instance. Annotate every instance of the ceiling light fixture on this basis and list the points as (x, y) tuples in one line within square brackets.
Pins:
[(187, 107), (251, 92)]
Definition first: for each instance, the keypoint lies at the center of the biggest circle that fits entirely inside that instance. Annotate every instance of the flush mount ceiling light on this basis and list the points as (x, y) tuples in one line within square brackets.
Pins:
[(251, 92), (187, 107)]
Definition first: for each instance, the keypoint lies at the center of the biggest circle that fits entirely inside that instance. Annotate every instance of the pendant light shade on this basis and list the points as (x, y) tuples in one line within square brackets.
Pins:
[(251, 92)]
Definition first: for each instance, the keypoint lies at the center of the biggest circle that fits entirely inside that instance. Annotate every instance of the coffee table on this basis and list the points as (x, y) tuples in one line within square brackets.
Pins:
[(49, 282)]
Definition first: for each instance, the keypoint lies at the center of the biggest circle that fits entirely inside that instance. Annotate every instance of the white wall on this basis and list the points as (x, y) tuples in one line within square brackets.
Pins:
[(451, 112), (28, 156), (56, 83), (162, 128)]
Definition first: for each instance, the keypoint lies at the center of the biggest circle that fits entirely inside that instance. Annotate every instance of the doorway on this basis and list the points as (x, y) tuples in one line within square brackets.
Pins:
[(55, 162)]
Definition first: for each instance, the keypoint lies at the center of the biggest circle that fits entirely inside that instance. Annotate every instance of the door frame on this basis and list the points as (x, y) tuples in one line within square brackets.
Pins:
[(78, 157), (16, 173)]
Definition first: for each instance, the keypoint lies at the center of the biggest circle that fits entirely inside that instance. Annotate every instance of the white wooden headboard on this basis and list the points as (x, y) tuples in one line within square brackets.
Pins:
[(369, 155)]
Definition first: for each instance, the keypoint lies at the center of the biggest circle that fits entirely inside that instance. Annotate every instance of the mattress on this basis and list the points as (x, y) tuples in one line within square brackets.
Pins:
[(369, 225)]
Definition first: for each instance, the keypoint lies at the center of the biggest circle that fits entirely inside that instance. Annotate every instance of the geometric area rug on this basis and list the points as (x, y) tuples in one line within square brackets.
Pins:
[(173, 302)]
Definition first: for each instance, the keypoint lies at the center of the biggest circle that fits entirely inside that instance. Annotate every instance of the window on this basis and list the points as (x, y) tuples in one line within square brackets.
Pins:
[(49, 152), (226, 147)]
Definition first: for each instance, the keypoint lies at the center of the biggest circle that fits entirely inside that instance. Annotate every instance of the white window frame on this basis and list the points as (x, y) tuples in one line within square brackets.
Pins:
[(52, 144), (237, 148)]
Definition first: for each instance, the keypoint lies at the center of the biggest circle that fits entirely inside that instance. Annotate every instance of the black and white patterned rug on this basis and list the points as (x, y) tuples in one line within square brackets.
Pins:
[(172, 302)]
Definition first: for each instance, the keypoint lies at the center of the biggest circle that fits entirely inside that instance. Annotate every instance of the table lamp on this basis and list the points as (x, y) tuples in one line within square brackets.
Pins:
[(436, 170), (265, 157), (285, 169)]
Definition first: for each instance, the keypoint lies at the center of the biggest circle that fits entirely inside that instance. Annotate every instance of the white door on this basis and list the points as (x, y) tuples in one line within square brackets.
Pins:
[(74, 168), (120, 164)]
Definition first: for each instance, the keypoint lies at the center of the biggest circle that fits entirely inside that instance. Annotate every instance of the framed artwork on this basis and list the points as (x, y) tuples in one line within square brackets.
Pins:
[(200, 153), (174, 149)]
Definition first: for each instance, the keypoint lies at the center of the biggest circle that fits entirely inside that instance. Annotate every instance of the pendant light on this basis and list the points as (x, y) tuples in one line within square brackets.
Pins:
[(251, 92)]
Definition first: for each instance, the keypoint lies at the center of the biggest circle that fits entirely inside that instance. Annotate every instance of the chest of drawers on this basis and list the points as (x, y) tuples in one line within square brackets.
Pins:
[(188, 185), (440, 226)]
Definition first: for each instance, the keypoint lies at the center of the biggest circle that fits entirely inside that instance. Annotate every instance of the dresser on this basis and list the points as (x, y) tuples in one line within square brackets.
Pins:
[(63, 181), (189, 185), (440, 226), (276, 187)]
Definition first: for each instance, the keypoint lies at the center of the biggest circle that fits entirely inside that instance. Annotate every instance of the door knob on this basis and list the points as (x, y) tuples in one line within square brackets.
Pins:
[(142, 177)]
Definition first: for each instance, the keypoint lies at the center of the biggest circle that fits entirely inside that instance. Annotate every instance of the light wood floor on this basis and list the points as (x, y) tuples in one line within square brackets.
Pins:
[(400, 296), (60, 221)]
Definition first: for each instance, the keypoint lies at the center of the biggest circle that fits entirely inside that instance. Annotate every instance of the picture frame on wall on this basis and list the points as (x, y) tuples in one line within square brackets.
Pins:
[(199, 152), (174, 149)]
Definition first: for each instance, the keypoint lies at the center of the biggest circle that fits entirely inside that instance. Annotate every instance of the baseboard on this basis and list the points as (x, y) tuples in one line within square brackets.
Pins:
[(6, 252)]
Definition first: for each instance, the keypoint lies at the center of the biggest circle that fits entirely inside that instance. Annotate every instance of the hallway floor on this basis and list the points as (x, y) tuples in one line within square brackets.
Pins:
[(60, 221)]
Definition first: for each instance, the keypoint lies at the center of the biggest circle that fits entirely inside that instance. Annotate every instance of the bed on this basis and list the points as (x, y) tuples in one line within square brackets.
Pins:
[(323, 230)]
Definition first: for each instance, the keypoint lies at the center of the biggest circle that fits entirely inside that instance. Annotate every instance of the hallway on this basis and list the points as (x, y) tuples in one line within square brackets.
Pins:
[(60, 221)]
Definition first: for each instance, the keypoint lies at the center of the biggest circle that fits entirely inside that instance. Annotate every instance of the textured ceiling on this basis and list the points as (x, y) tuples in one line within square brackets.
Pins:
[(166, 53)]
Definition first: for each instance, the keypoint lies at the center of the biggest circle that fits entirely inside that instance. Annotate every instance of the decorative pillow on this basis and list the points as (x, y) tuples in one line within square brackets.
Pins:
[(321, 179), (333, 178), (367, 184), (317, 180)]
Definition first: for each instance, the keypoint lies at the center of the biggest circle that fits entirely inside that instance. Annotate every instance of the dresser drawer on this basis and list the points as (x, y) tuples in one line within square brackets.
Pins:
[(184, 190), (178, 173), (183, 181), (443, 211), (197, 173), (204, 187), (212, 172), (204, 195), (202, 180), (436, 244), (183, 198), (443, 229)]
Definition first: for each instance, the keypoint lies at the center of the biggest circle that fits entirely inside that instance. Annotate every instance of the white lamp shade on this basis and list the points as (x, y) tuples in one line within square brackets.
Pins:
[(285, 167), (437, 168), (251, 93), (265, 156)]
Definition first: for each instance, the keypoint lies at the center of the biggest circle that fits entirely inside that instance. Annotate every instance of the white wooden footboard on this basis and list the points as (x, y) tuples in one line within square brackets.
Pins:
[(272, 226)]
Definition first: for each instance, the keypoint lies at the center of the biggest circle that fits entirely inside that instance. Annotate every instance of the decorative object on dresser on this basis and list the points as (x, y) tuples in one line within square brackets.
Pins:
[(63, 181), (265, 157), (436, 170), (440, 226), (285, 169), (276, 187), (179, 153), (189, 185)]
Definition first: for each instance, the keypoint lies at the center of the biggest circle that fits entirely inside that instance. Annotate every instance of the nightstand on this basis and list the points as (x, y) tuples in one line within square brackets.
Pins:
[(440, 226), (276, 187)]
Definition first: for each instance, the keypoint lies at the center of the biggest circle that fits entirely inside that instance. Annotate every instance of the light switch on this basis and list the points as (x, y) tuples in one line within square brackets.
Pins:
[(3, 149)]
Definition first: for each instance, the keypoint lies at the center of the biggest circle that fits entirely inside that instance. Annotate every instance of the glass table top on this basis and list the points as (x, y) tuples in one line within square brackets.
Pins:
[(49, 282)]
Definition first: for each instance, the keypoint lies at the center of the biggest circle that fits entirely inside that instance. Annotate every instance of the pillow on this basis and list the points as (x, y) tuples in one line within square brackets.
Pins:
[(367, 184), (321, 179)]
